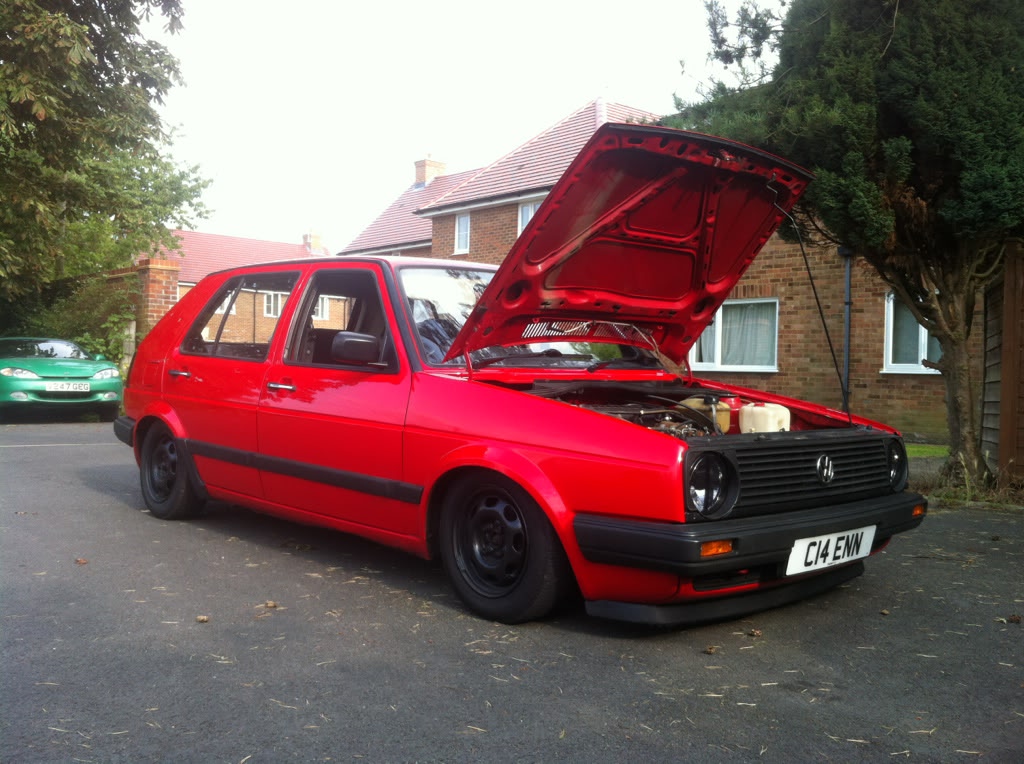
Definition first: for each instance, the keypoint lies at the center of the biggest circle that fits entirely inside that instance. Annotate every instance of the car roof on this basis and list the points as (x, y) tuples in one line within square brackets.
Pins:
[(394, 262)]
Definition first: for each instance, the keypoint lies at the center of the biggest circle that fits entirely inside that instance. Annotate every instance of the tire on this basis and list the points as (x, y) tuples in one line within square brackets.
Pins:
[(166, 487), (500, 552), (109, 413)]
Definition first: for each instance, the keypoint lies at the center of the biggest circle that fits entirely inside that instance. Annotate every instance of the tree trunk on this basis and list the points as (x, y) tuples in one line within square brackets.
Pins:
[(966, 466)]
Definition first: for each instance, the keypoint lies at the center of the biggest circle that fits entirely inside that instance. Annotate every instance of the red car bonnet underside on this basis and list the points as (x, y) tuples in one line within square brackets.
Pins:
[(649, 228)]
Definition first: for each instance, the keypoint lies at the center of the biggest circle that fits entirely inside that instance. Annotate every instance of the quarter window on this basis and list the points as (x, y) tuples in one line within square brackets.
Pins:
[(743, 337), (461, 234), (907, 343)]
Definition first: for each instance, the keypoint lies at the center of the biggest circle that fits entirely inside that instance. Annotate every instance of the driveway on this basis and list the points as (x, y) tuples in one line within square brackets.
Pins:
[(240, 638)]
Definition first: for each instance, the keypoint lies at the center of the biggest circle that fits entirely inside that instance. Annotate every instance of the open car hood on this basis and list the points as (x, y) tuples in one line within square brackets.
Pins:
[(640, 240)]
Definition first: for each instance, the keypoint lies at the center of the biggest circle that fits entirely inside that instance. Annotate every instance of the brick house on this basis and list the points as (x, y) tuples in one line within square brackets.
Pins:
[(477, 215)]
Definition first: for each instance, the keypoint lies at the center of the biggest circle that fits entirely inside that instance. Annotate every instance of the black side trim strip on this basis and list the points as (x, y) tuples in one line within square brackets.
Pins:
[(692, 613), (353, 481)]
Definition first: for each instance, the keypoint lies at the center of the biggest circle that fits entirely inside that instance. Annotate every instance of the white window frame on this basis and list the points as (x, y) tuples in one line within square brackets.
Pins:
[(462, 234), (220, 308), (322, 311), (273, 304), (526, 212), (716, 326), (888, 367)]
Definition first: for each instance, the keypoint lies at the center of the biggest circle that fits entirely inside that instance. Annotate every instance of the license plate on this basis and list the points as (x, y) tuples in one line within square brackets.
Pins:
[(819, 552), (67, 387)]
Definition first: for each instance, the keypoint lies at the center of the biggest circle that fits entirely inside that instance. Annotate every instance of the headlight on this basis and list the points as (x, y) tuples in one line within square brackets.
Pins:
[(896, 459), (710, 491), (14, 371), (106, 374)]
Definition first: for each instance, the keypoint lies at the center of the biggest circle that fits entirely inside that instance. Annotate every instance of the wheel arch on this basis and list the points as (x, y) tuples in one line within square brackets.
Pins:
[(159, 414), (508, 465), (164, 415)]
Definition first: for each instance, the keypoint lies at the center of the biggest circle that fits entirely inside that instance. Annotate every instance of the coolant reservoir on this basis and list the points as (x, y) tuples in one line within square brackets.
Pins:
[(712, 407), (764, 417)]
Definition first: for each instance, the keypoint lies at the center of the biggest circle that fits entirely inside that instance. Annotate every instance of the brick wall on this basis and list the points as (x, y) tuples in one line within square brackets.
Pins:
[(914, 403), (158, 282), (158, 289), (492, 232)]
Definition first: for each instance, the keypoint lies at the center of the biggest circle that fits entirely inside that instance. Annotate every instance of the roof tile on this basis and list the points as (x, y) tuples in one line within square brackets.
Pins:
[(540, 162), (204, 253), (397, 226), (534, 166)]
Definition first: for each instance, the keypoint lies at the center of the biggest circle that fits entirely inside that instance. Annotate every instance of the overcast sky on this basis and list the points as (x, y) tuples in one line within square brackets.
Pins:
[(308, 115)]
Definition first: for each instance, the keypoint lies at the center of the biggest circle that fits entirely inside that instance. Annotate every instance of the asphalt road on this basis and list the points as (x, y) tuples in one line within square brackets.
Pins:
[(317, 646)]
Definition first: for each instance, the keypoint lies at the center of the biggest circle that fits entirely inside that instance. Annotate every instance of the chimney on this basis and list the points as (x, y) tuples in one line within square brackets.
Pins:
[(428, 169), (313, 243)]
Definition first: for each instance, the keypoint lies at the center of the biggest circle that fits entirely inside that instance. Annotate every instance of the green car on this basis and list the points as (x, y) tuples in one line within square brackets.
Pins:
[(38, 373)]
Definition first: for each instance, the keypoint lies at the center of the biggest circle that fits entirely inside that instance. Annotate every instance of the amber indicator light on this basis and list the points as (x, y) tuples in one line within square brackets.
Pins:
[(713, 548)]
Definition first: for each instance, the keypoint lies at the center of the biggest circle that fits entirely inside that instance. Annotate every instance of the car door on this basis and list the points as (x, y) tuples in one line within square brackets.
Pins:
[(330, 428), (214, 378)]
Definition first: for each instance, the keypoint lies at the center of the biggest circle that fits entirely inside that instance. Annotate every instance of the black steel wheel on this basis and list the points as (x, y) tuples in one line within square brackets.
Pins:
[(499, 550), (166, 487)]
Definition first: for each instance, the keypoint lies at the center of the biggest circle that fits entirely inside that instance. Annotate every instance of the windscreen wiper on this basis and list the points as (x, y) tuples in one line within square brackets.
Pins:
[(549, 353), (624, 363)]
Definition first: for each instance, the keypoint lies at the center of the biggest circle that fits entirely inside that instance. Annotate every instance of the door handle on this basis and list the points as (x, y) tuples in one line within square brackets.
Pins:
[(179, 373), (280, 386)]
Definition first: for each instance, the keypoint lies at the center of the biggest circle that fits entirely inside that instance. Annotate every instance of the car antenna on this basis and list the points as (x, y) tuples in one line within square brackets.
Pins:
[(817, 300)]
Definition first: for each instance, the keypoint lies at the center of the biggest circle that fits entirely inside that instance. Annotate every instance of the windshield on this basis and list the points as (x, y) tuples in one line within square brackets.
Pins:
[(440, 300), (15, 348)]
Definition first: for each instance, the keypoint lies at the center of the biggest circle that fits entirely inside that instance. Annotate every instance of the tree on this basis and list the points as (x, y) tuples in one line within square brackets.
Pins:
[(85, 182), (909, 112)]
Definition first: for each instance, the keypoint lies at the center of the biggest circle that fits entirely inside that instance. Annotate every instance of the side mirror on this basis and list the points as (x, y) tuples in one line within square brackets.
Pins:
[(99, 357), (352, 347)]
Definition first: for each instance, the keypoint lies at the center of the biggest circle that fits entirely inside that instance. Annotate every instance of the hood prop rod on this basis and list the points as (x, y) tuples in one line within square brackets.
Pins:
[(817, 301)]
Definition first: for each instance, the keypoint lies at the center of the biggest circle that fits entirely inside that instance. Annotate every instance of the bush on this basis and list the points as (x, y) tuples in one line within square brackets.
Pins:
[(96, 314)]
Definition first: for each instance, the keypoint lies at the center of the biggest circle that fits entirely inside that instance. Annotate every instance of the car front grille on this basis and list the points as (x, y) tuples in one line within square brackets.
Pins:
[(64, 396), (779, 472)]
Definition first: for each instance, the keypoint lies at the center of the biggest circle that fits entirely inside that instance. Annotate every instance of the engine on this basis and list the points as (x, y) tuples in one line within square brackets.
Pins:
[(678, 421)]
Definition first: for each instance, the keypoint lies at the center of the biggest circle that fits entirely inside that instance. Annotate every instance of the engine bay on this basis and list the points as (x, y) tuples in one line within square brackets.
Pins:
[(680, 410)]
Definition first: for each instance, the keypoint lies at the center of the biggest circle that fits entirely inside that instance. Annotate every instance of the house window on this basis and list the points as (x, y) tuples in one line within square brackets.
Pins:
[(906, 341), (743, 337), (526, 212), (272, 304), (322, 311), (229, 300), (461, 234)]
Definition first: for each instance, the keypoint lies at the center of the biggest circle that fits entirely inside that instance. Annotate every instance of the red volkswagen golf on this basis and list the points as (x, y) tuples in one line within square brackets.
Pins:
[(530, 425)]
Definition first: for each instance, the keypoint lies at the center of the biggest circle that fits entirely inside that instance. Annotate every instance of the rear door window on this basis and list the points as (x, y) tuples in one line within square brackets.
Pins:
[(240, 319)]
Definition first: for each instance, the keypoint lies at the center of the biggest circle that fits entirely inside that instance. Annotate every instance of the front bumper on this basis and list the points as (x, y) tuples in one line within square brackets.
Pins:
[(757, 541), (720, 587)]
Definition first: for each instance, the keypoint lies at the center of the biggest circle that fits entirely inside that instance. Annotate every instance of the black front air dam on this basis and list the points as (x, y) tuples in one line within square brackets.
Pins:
[(704, 611)]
